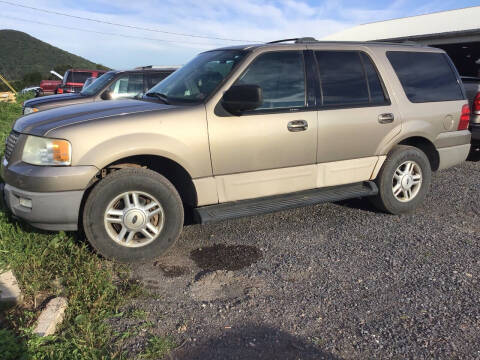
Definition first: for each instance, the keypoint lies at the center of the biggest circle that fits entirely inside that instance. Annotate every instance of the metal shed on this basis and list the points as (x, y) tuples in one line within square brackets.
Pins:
[(455, 31)]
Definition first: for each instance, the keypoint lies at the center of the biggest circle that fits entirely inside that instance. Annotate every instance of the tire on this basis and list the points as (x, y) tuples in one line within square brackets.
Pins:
[(389, 180), (144, 188)]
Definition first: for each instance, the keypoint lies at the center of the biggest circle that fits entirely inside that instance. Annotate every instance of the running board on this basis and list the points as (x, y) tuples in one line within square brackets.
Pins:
[(234, 209)]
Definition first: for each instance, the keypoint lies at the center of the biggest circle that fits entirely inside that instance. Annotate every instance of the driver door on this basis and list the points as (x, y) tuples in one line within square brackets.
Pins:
[(272, 149)]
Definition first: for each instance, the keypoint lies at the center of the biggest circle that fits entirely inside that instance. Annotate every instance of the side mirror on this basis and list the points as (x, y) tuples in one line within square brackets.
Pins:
[(106, 95), (240, 98)]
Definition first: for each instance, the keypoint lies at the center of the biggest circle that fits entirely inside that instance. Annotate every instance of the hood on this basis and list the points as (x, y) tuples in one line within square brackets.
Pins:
[(43, 100), (40, 123)]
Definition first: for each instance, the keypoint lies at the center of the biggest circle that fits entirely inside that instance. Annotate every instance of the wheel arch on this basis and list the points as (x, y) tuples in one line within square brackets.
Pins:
[(426, 146), (172, 170)]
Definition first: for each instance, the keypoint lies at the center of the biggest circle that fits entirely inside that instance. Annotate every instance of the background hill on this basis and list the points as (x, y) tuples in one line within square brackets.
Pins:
[(26, 59)]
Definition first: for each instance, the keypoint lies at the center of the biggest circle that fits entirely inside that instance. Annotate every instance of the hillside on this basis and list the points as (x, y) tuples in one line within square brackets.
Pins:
[(22, 54)]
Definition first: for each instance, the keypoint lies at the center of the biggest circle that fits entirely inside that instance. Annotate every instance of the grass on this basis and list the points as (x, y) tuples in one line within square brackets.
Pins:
[(50, 264), (157, 347)]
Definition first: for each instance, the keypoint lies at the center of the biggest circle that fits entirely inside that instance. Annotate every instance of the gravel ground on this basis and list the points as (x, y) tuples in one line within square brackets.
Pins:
[(334, 281)]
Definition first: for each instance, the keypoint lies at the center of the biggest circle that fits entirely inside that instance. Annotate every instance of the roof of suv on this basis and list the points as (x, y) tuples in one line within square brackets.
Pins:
[(312, 41), (146, 69)]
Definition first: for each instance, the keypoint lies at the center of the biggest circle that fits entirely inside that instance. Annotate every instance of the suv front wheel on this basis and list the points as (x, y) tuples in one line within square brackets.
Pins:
[(132, 215), (403, 180)]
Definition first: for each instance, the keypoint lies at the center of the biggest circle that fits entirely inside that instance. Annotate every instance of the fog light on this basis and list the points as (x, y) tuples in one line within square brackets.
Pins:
[(26, 202)]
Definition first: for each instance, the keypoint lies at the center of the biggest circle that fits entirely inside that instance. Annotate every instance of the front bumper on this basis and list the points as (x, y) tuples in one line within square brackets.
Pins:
[(48, 211), (55, 193)]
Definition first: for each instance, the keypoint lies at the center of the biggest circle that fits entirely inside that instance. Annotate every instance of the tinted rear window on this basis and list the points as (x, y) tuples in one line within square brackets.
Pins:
[(342, 78), (426, 77), (349, 78)]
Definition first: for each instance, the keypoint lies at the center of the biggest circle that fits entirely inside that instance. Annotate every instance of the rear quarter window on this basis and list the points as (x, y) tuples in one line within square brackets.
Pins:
[(426, 77)]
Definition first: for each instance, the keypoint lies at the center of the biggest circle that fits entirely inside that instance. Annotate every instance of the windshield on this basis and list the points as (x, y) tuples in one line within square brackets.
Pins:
[(196, 80), (98, 85)]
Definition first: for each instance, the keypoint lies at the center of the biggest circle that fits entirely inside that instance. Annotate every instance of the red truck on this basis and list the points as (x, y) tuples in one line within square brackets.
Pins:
[(49, 86), (74, 79)]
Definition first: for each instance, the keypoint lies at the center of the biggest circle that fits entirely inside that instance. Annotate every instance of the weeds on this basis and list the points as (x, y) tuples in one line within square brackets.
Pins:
[(48, 264), (158, 347)]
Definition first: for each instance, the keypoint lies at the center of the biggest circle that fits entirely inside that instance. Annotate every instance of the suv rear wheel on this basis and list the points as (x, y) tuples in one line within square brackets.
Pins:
[(133, 214), (403, 180)]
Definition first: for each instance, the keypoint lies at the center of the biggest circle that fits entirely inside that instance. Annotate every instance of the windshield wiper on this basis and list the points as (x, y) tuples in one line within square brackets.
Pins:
[(162, 97)]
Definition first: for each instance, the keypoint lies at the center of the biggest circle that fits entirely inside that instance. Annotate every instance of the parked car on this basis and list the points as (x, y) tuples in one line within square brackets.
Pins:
[(74, 79), (37, 90), (240, 131), (114, 84), (49, 86), (472, 88), (88, 82)]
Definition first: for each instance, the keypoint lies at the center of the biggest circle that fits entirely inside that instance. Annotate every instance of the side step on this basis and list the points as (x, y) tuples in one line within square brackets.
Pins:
[(234, 209)]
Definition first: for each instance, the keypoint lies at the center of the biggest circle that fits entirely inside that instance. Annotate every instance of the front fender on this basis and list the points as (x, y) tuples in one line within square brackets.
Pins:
[(180, 135), (143, 144)]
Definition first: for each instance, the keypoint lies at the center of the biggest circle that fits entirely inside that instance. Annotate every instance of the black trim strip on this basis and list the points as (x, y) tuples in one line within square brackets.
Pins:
[(235, 209)]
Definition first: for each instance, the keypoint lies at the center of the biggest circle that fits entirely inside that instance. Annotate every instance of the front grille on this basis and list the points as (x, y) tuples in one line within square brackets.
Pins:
[(10, 144)]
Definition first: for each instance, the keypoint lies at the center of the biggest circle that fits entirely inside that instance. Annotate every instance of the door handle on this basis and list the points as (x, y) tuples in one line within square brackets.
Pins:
[(386, 118), (297, 125)]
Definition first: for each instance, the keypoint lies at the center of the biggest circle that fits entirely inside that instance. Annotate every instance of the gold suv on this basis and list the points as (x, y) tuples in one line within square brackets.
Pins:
[(241, 131)]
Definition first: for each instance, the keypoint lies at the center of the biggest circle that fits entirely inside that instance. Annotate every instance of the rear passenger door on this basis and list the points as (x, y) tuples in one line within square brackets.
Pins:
[(355, 116)]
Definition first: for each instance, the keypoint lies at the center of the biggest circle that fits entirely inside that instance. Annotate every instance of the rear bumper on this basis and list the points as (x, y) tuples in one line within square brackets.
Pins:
[(48, 211), (453, 155), (475, 130)]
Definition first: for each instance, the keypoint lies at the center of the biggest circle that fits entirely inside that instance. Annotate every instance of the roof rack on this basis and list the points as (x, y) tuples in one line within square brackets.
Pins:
[(302, 40)]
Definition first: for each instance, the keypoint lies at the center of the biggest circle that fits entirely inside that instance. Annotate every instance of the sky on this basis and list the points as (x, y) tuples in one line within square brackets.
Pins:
[(247, 21)]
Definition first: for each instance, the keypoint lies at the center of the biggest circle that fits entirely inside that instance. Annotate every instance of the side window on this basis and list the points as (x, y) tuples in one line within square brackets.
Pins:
[(127, 86), (342, 78), (281, 76), (377, 95), (425, 76), (155, 78)]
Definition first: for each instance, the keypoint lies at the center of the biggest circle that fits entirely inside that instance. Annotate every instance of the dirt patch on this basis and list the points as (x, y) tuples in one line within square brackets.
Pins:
[(223, 285), (171, 271), (173, 266), (225, 257)]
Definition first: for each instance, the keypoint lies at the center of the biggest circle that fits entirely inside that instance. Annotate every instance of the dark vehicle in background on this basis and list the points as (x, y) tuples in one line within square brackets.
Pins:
[(49, 86), (472, 89), (74, 79), (88, 82), (115, 84)]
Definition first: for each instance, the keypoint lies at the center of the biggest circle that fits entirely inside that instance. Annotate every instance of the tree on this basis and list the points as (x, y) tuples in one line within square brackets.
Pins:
[(33, 78)]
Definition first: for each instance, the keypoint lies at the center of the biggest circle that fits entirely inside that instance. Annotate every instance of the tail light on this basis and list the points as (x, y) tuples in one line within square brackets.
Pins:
[(59, 91), (464, 118), (476, 103)]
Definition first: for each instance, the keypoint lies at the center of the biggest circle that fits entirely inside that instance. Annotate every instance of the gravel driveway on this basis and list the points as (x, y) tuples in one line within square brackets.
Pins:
[(334, 281)]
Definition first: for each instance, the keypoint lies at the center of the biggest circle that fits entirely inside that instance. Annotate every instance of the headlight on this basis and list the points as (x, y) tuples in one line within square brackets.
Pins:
[(28, 110), (44, 151)]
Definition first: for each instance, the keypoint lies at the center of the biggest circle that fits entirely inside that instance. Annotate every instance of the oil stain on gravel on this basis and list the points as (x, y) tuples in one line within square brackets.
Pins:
[(225, 257)]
